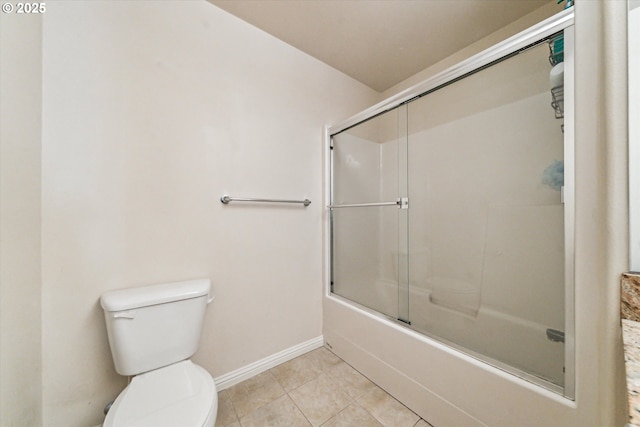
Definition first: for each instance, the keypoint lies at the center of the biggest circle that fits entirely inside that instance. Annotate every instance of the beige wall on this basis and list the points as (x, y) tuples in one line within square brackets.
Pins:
[(149, 115), (20, 285), (609, 135), (515, 27)]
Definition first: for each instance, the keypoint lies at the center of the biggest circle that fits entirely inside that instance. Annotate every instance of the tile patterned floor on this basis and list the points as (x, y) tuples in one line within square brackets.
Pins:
[(315, 389)]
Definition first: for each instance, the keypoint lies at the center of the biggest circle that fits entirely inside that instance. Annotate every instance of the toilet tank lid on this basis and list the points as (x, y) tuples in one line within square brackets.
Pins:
[(144, 296)]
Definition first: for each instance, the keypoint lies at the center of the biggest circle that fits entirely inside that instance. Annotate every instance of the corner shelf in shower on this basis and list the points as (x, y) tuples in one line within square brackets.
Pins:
[(557, 101), (556, 58)]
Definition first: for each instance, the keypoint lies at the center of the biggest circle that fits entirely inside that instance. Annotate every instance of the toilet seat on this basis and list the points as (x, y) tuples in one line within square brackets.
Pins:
[(182, 394)]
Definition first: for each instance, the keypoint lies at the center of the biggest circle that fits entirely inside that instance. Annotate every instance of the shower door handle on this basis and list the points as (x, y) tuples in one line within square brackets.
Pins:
[(402, 203)]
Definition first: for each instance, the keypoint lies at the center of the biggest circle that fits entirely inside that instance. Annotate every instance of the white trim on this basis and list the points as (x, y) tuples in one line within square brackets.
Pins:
[(234, 377), (549, 26), (634, 136), (569, 215)]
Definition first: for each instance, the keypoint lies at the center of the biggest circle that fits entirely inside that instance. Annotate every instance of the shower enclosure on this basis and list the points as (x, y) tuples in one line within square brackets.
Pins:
[(451, 210)]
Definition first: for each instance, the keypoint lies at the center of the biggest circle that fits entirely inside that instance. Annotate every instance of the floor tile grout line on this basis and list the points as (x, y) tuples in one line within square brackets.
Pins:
[(321, 368), (235, 413), (296, 405), (302, 412)]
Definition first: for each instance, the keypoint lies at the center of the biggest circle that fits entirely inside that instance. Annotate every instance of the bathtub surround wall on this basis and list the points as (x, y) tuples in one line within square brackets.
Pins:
[(150, 112)]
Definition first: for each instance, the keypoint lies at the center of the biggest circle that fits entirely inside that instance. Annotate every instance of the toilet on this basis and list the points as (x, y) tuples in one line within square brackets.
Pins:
[(153, 331)]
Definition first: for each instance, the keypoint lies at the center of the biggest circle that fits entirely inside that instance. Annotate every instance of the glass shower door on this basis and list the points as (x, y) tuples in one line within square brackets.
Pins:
[(487, 226), (448, 212), (369, 215)]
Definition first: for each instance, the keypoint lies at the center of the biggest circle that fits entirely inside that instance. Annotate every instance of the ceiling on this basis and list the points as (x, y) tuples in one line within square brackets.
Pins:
[(380, 42)]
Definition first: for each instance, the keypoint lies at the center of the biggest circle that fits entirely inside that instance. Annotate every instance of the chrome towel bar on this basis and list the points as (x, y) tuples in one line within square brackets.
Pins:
[(227, 199), (402, 203)]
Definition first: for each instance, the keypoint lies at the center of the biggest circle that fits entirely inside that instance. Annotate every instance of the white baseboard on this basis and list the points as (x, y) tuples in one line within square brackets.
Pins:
[(234, 377)]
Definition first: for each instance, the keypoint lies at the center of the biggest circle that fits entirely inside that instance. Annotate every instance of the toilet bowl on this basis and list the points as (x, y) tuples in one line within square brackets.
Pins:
[(182, 394), (153, 331)]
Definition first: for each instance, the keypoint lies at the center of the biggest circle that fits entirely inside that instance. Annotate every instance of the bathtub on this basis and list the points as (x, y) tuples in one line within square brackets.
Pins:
[(438, 381)]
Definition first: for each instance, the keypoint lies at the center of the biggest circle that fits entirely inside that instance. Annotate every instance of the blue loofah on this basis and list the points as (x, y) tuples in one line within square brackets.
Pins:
[(553, 175)]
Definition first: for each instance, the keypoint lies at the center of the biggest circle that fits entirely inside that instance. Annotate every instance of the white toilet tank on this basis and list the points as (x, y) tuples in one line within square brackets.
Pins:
[(154, 326)]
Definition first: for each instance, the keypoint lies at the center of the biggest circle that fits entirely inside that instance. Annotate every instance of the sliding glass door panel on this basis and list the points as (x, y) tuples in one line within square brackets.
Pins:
[(487, 219), (447, 214), (365, 259), (369, 218)]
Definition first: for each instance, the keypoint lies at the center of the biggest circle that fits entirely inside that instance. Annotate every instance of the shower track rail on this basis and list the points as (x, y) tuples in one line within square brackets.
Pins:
[(228, 199)]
